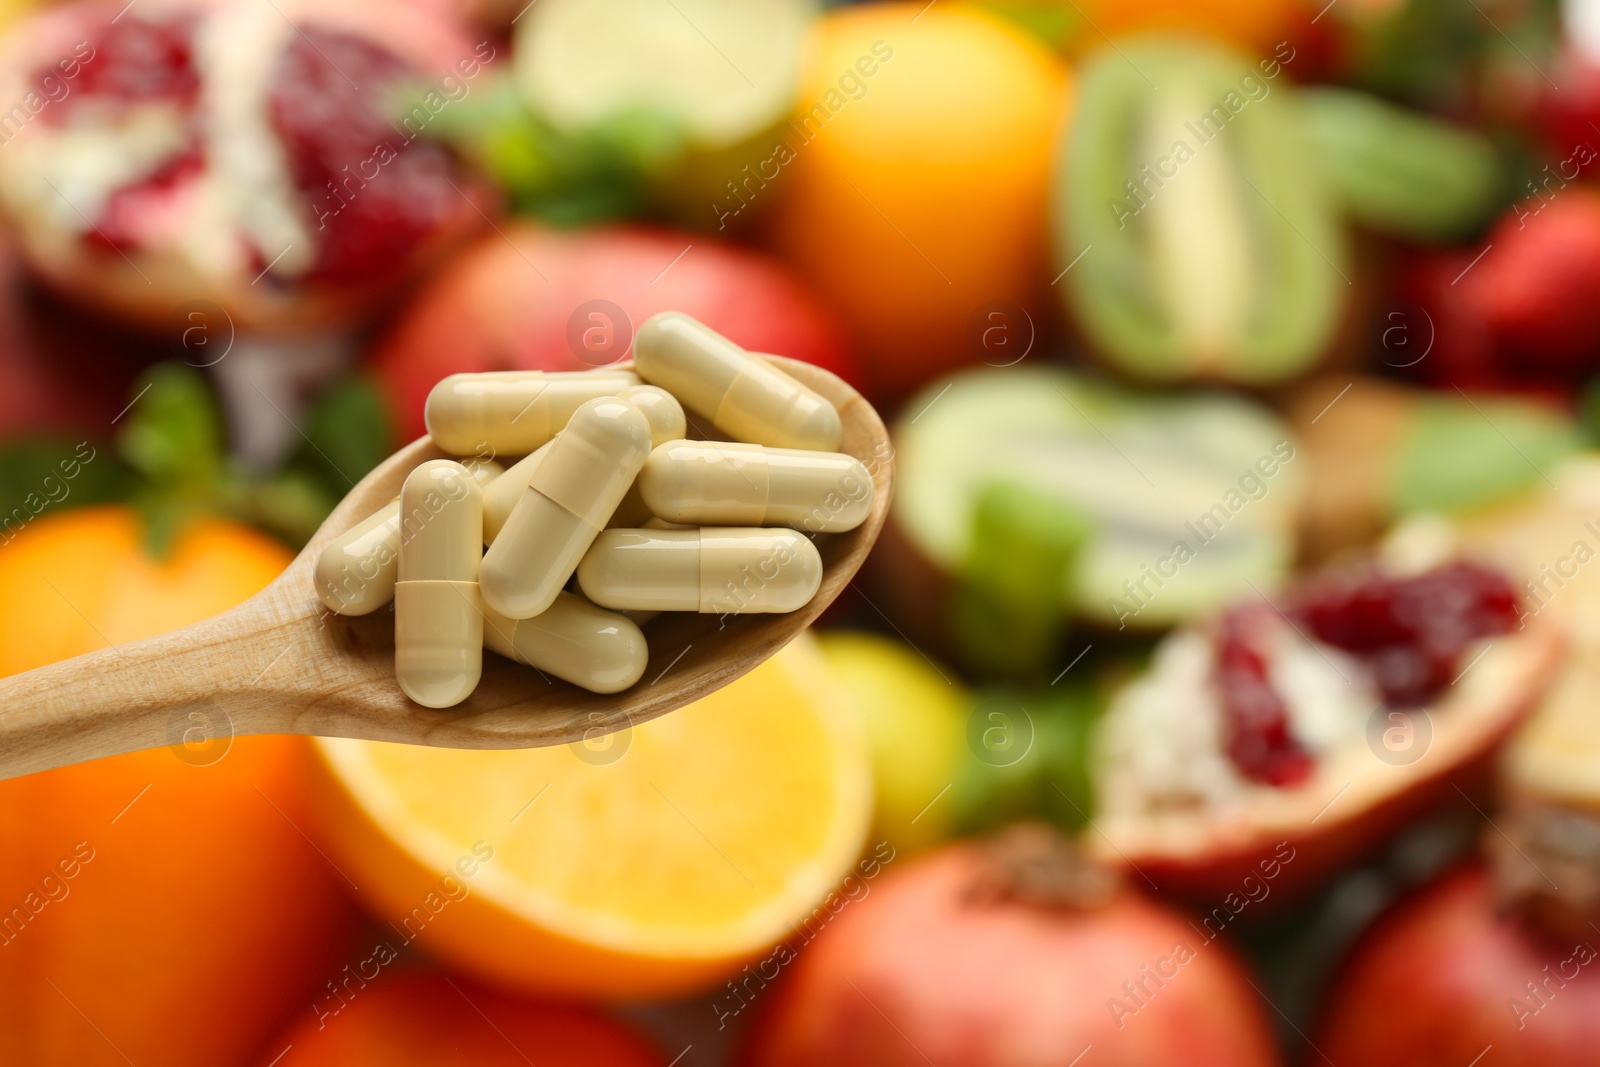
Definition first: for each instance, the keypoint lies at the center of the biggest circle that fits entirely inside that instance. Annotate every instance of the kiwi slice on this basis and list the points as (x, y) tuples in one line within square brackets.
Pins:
[(1187, 187), (1134, 510)]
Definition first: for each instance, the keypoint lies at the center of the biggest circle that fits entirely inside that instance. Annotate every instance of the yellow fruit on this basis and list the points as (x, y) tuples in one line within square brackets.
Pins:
[(648, 864), (1548, 539), (916, 724), (916, 191)]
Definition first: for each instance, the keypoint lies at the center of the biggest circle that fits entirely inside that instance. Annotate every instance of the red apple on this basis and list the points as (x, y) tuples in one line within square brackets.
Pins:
[(532, 298)]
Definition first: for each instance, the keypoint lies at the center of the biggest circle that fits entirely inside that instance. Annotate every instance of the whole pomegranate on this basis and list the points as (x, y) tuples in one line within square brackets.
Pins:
[(1450, 978), (1011, 953)]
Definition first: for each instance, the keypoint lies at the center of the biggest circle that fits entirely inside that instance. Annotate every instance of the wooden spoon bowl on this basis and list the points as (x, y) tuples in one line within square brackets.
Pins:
[(282, 663)]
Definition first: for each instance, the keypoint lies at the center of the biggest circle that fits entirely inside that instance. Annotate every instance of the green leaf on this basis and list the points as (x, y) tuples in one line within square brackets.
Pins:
[(291, 504), (174, 432), (347, 434), (1401, 171), (568, 179), (40, 475)]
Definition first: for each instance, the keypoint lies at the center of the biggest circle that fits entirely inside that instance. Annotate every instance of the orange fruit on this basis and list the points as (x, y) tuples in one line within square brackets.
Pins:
[(1253, 24), (916, 193), (80, 579), (644, 864), (161, 906), (426, 1019)]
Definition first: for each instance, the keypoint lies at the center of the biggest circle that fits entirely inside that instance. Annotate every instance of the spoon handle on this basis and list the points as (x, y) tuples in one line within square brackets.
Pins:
[(190, 688)]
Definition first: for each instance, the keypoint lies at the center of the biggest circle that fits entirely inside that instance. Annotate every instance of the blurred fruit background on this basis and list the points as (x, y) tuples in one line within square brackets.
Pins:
[(1221, 691)]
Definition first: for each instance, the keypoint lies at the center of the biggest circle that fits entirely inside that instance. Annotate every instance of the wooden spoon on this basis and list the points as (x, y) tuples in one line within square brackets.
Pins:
[(280, 663)]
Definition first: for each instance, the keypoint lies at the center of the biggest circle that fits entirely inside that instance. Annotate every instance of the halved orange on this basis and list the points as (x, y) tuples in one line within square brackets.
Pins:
[(647, 864)]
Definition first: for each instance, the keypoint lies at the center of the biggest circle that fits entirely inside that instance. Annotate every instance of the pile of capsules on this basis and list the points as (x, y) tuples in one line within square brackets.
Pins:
[(608, 490)]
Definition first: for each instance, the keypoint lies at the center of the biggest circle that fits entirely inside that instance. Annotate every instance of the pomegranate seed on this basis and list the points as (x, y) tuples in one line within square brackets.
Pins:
[(1411, 632), (374, 194), (136, 59), (1256, 720)]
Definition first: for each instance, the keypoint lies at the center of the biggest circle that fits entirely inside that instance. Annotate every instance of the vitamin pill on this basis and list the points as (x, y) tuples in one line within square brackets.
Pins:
[(502, 494), (667, 423), (660, 410), (438, 616), (355, 574), (714, 570), (513, 412), (716, 483), (574, 640), (744, 396), (570, 496)]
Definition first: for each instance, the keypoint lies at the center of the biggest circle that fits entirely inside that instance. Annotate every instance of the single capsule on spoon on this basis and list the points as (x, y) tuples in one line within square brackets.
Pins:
[(571, 494), (438, 615), (723, 483), (661, 411), (574, 640), (667, 423), (744, 396), (714, 571), (512, 412)]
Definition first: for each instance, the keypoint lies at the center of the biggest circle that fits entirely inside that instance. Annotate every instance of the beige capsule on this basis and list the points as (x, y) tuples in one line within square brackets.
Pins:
[(744, 396), (438, 615), (667, 423), (513, 412), (355, 573), (574, 640), (721, 483), (570, 496), (502, 494), (713, 570), (660, 410)]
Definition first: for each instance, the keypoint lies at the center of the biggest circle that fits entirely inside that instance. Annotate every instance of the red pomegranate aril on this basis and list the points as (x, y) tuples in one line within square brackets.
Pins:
[(118, 227), (1258, 739), (136, 59), (328, 90), (375, 194), (1411, 632)]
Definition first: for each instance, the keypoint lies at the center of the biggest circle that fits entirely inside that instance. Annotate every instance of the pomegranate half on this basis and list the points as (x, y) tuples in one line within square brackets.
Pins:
[(1317, 723), (266, 158)]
